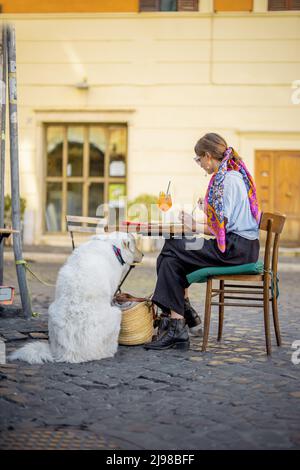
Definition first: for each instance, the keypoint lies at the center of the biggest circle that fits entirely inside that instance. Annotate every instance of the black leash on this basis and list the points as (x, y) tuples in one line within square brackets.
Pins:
[(119, 287)]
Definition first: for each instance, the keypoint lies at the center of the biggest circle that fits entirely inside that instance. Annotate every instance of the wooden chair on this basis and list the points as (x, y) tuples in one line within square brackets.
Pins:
[(6, 232), (91, 225), (267, 288)]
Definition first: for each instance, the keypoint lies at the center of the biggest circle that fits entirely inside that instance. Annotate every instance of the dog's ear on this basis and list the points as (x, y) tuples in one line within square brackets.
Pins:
[(125, 244), (128, 248)]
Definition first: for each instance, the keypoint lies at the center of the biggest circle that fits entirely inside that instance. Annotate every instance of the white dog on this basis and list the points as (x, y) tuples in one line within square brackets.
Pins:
[(83, 325)]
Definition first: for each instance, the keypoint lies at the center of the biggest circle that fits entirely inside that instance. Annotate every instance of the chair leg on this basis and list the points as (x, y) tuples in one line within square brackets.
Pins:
[(207, 314), (276, 319), (221, 311), (266, 316)]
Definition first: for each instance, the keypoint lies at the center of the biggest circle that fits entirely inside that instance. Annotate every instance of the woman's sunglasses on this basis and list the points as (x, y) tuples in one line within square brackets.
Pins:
[(197, 159)]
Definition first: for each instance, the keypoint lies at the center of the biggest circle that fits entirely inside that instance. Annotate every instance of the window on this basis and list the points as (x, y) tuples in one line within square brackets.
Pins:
[(233, 5), (284, 5), (169, 5), (85, 167)]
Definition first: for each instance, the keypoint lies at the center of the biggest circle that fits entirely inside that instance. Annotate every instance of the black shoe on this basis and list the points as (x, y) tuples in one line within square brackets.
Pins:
[(192, 319), (163, 326), (176, 336)]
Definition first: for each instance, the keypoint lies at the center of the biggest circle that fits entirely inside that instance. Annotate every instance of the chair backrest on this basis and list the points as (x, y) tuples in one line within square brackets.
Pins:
[(272, 223), (85, 225)]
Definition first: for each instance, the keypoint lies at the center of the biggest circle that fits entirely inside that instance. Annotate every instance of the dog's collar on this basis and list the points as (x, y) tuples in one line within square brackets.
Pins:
[(118, 254)]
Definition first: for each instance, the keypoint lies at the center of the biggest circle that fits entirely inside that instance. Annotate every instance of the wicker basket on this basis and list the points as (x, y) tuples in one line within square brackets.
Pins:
[(137, 321)]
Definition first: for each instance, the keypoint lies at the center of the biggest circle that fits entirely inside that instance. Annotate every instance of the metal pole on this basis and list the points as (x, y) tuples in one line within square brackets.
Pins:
[(14, 165), (2, 135)]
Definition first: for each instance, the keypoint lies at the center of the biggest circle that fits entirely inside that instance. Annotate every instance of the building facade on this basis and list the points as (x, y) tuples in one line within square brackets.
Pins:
[(113, 95)]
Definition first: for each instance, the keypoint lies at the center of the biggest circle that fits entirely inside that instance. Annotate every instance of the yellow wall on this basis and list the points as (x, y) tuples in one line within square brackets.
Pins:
[(171, 78), (68, 6)]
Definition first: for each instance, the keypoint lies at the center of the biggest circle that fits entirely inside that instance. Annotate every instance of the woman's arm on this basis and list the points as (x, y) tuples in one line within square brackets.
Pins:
[(198, 226), (205, 228), (202, 227)]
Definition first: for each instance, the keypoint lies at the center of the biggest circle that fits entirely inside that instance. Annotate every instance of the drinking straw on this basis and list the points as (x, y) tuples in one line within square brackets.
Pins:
[(168, 187)]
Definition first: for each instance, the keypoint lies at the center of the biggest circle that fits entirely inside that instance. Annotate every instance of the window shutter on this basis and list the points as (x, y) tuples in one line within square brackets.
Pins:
[(278, 4), (188, 5), (284, 5), (295, 4), (149, 5)]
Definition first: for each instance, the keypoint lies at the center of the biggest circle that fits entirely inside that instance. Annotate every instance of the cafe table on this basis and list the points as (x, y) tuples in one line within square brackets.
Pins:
[(6, 232), (165, 230)]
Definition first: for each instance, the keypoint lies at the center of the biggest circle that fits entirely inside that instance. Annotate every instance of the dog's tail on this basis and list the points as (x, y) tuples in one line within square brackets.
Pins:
[(35, 353)]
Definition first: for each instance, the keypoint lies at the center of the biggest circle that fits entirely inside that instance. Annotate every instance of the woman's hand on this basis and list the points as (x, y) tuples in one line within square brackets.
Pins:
[(200, 203), (187, 219)]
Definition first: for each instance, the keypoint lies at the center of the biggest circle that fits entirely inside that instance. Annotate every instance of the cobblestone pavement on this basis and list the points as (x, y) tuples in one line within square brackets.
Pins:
[(232, 397)]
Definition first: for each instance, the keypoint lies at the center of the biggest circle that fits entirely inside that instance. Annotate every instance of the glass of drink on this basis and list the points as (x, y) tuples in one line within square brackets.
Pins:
[(164, 203)]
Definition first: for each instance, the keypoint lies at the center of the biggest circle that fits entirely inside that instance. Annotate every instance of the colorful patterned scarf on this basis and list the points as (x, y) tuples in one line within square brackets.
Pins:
[(214, 203)]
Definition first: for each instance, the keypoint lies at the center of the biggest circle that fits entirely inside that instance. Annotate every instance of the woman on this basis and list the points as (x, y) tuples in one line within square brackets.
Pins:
[(231, 215)]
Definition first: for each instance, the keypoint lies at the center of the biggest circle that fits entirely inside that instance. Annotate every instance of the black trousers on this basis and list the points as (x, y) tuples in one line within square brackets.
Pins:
[(178, 258)]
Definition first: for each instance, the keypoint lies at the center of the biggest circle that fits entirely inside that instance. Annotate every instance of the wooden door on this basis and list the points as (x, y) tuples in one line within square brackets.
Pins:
[(277, 176)]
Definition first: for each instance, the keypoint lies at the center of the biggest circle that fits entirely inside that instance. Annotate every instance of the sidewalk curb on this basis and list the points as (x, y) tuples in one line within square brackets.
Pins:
[(148, 260), (60, 258)]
